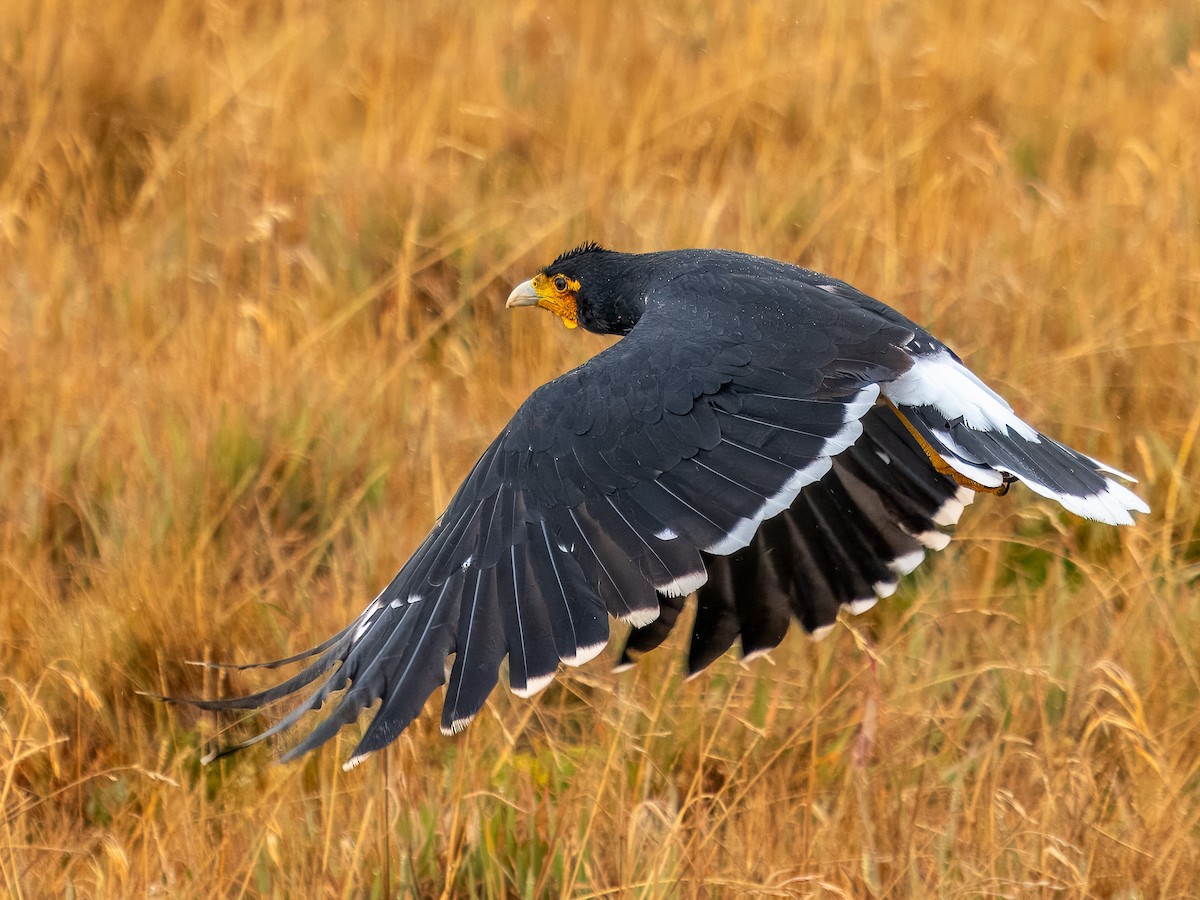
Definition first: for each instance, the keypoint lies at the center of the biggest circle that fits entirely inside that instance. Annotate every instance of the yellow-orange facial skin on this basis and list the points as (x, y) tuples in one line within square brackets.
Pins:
[(556, 293)]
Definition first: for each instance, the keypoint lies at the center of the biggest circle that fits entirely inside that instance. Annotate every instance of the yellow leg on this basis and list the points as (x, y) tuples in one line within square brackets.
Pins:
[(941, 465)]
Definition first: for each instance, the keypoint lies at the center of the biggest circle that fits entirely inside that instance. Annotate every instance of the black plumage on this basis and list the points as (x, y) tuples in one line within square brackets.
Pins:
[(764, 436)]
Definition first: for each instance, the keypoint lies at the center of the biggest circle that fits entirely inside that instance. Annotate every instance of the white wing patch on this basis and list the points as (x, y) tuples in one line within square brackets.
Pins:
[(683, 585), (584, 654), (533, 685), (640, 618), (940, 381), (950, 511), (743, 532), (1111, 505)]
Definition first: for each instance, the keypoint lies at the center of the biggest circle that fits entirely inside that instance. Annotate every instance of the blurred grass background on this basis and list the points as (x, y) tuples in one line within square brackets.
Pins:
[(253, 259)]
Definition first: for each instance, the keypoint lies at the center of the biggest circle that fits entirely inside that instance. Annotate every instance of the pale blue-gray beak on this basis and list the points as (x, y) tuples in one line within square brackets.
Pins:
[(523, 295)]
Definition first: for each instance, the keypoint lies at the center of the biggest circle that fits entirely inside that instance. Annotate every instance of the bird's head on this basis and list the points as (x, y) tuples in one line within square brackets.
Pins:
[(587, 286)]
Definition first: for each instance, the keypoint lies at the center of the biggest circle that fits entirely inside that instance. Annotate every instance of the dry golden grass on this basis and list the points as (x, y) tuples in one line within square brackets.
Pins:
[(253, 259)]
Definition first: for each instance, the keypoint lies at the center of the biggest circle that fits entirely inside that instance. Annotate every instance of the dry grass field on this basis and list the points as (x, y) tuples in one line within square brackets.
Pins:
[(253, 263)]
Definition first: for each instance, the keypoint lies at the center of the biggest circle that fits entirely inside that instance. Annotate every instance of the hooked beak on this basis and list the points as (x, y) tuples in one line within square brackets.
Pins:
[(523, 295)]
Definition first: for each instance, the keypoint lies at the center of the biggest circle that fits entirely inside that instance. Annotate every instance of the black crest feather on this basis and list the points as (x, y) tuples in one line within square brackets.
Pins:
[(585, 247)]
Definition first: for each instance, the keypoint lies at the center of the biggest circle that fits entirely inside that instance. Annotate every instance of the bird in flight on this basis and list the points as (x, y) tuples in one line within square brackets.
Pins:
[(765, 437)]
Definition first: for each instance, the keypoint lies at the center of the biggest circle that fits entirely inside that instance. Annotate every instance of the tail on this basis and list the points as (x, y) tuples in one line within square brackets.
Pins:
[(972, 433)]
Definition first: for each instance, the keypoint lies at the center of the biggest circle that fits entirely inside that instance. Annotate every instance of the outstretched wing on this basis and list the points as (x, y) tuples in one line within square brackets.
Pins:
[(607, 491)]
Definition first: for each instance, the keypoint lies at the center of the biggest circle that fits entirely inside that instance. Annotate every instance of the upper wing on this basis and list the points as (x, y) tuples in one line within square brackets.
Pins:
[(608, 489)]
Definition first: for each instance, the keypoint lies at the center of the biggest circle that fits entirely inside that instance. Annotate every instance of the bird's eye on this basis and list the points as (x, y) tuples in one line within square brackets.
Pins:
[(560, 283)]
